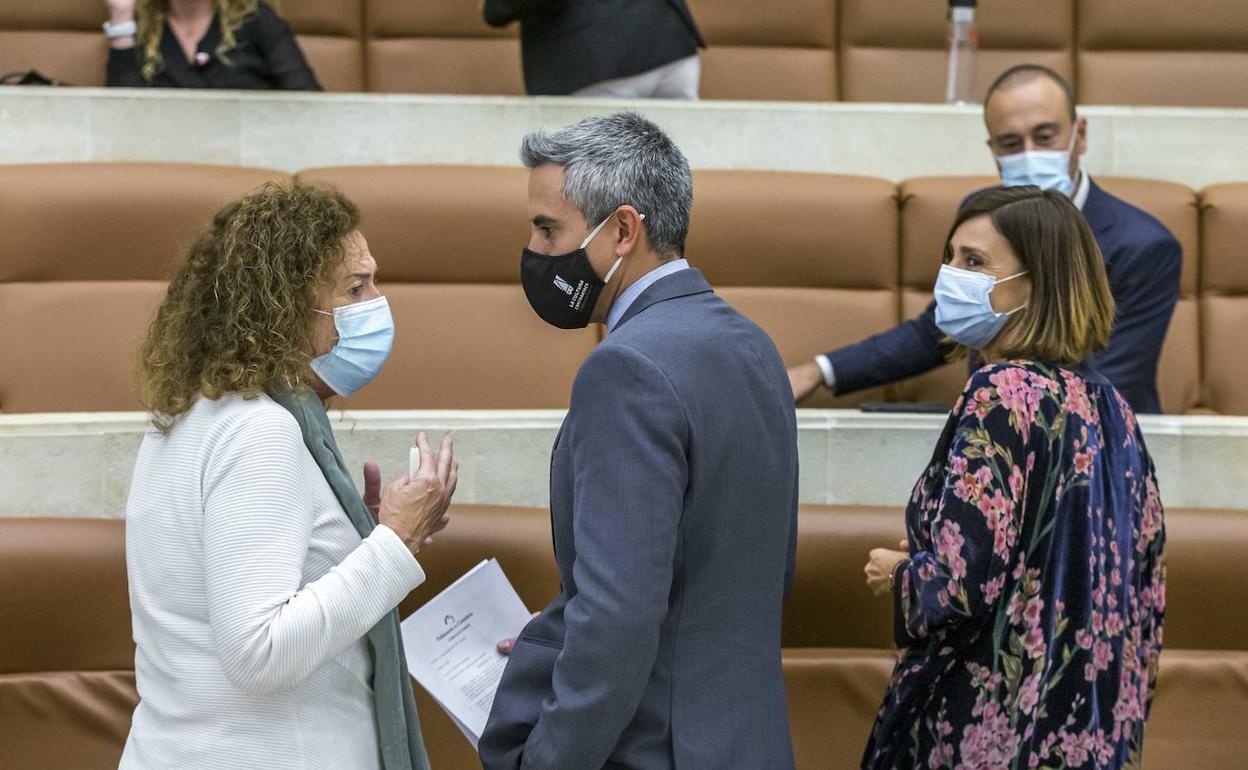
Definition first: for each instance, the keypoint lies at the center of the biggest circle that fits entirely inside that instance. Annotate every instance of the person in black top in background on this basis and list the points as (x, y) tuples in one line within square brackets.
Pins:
[(632, 49), (239, 44)]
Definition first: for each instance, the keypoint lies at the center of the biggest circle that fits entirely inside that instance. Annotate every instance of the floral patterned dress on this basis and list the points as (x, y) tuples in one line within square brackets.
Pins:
[(1030, 613)]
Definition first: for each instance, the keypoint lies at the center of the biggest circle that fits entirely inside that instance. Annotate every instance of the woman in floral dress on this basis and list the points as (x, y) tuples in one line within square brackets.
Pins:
[(1029, 599)]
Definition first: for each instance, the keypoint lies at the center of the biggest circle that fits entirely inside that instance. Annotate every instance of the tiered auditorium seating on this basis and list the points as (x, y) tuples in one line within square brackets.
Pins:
[(1115, 52), (818, 260), (66, 659)]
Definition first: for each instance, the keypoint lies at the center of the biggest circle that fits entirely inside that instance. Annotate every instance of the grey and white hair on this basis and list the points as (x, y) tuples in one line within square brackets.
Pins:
[(616, 160)]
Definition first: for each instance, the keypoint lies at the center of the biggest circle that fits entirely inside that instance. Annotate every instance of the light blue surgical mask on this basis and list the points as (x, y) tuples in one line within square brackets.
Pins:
[(365, 337), (964, 306), (1046, 169)]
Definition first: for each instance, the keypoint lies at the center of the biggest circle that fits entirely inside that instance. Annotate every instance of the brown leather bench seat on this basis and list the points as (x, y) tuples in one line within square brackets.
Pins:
[(818, 260), (66, 658), (1141, 52)]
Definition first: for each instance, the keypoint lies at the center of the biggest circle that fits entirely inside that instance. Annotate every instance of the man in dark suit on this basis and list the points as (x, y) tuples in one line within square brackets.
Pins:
[(1037, 139), (673, 485), (617, 48)]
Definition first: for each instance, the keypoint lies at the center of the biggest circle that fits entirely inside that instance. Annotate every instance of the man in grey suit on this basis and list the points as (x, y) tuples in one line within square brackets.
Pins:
[(673, 485)]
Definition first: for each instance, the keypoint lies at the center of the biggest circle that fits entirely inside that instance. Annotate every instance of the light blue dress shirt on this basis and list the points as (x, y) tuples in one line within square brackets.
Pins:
[(630, 295)]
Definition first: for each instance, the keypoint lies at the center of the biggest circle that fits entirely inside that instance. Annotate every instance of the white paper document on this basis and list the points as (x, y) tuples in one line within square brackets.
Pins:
[(450, 644)]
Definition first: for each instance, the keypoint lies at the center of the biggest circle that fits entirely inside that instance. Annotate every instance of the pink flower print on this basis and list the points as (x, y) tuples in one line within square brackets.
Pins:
[(1016, 482), (1029, 694), (1018, 394), (1102, 655), (1034, 643), (1128, 415), (1089, 672), (1032, 614), (980, 403), (1151, 524), (983, 475), (967, 489), (1114, 624), (998, 511), (941, 756), (949, 542), (1046, 746), (990, 745), (1015, 608), (1077, 401), (1032, 581), (1077, 748), (1083, 639), (957, 465), (992, 589), (1083, 461)]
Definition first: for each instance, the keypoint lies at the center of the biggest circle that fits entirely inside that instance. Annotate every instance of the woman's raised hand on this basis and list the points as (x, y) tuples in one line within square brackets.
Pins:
[(415, 507)]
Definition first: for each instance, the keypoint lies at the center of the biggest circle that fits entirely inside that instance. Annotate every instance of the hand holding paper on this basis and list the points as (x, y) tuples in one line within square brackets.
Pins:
[(450, 644)]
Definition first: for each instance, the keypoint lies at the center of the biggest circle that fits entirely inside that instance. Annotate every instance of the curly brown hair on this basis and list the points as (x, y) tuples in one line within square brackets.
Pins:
[(238, 315), (150, 17)]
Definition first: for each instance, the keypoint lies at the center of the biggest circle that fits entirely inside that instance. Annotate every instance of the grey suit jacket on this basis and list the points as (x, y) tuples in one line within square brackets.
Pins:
[(673, 496)]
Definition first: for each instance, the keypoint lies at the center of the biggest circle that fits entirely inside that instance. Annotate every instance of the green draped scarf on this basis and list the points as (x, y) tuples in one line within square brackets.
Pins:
[(398, 726)]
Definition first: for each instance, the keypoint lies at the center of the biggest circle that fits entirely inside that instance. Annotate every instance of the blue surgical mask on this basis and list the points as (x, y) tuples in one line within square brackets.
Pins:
[(964, 307), (1046, 169), (365, 336)]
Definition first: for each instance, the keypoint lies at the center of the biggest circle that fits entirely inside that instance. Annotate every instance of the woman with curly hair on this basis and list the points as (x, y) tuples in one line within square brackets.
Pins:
[(239, 44), (1029, 599), (263, 587)]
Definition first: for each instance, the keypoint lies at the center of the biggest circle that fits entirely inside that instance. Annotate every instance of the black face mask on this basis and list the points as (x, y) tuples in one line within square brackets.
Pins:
[(563, 289)]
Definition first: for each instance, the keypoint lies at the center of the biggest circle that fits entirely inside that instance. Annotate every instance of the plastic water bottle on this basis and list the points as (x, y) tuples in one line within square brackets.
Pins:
[(963, 41)]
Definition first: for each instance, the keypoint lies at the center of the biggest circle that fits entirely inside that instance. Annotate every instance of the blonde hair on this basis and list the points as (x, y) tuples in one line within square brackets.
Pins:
[(1071, 311), (150, 16), (238, 315)]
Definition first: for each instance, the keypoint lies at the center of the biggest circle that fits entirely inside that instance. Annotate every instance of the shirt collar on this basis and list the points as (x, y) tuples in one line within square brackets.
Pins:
[(630, 295), (1082, 186)]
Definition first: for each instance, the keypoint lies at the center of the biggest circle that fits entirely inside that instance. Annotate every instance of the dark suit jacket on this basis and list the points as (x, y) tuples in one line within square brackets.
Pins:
[(570, 44), (673, 498), (1143, 261)]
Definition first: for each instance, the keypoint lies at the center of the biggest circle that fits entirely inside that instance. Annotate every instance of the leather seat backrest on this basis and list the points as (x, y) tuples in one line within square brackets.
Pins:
[(809, 257), (83, 265), (1224, 297), (896, 51), (1175, 206), (66, 657), (1159, 52), (331, 35), (439, 47), (60, 38), (762, 51)]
